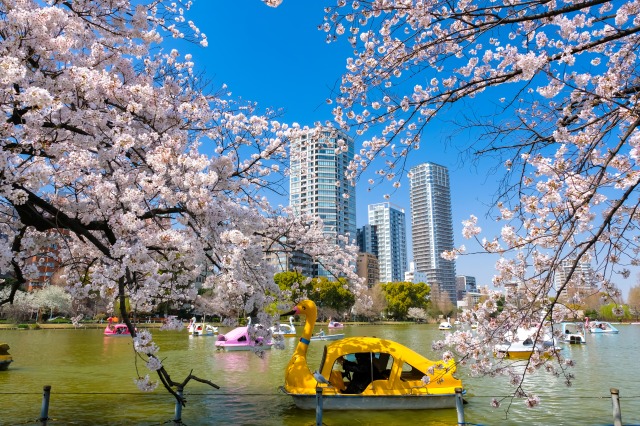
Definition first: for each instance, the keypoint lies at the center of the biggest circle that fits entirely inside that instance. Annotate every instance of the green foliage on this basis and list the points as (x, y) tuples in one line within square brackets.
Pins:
[(34, 326), (23, 326), (499, 307), (404, 295), (606, 313), (591, 313), (116, 307), (293, 285), (59, 321), (332, 294)]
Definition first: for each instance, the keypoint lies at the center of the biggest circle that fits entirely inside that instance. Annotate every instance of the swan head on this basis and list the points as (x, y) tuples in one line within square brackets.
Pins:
[(305, 307)]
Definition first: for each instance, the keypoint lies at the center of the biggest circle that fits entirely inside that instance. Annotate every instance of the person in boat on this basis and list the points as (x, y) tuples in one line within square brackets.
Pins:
[(358, 372)]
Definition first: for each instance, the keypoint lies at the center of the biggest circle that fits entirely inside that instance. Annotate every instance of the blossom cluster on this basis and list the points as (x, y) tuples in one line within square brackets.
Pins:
[(102, 147), (553, 82)]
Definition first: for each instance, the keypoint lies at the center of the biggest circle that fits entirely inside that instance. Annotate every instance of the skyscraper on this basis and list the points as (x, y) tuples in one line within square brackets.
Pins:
[(391, 231), (318, 185), (367, 239), (431, 225), (368, 268), (583, 278), (465, 284)]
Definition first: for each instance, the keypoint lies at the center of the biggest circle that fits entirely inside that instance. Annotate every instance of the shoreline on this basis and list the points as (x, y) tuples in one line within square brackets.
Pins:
[(45, 326)]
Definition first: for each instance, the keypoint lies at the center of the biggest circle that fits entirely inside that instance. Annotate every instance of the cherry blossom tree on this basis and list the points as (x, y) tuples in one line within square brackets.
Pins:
[(551, 88), (53, 298), (104, 148)]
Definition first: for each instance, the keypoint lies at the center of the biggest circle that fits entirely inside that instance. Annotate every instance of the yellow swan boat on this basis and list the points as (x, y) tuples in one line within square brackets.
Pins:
[(367, 373), (5, 358)]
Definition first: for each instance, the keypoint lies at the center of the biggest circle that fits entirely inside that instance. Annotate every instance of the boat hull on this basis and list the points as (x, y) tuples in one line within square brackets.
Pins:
[(328, 337), (242, 347), (376, 402), (574, 339), (117, 330), (519, 351), (601, 327)]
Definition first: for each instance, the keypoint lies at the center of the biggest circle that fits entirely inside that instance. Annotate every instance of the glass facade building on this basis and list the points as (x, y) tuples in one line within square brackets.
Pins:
[(431, 225), (367, 239), (391, 230), (318, 183)]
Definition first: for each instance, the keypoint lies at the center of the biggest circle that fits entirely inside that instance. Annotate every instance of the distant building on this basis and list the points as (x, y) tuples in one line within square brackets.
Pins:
[(582, 282), (470, 300), (367, 239), (431, 225), (318, 183), (413, 276), (47, 262), (391, 231), (368, 268), (294, 261), (464, 285)]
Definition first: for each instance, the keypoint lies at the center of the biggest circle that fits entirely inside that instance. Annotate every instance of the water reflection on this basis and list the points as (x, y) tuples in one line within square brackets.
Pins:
[(242, 362)]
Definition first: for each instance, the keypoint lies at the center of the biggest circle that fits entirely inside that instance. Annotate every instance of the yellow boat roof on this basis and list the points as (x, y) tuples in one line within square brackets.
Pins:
[(400, 352), (364, 344)]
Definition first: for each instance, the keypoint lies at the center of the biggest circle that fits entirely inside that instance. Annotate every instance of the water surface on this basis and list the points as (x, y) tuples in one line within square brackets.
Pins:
[(92, 382)]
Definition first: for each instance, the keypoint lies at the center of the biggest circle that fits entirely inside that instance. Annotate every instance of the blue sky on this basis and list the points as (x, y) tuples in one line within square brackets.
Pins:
[(279, 59)]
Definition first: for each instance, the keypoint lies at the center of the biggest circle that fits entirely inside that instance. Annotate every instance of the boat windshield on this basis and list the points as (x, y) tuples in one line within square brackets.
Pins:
[(410, 373)]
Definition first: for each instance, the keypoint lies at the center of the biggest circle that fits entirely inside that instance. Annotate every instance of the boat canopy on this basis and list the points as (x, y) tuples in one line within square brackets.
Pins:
[(392, 369), (236, 334)]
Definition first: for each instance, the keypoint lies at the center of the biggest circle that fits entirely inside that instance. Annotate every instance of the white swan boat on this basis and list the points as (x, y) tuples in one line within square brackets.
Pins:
[(284, 330), (572, 332), (600, 327), (523, 343)]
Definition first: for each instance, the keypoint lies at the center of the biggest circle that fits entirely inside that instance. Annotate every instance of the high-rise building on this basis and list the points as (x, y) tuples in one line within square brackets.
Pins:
[(285, 260), (47, 262), (464, 285), (413, 276), (391, 230), (367, 239), (368, 268), (431, 225), (582, 281), (318, 183)]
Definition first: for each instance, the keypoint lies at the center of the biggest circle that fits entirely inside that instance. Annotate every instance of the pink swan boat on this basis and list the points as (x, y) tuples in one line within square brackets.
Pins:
[(239, 339), (116, 329), (335, 324)]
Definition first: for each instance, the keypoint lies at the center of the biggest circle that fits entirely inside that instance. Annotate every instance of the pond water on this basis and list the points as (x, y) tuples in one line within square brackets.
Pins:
[(92, 382)]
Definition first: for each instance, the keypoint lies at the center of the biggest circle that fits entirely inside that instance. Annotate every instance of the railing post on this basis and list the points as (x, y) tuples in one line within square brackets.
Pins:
[(318, 406), (177, 419), (44, 411), (615, 399), (460, 406)]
